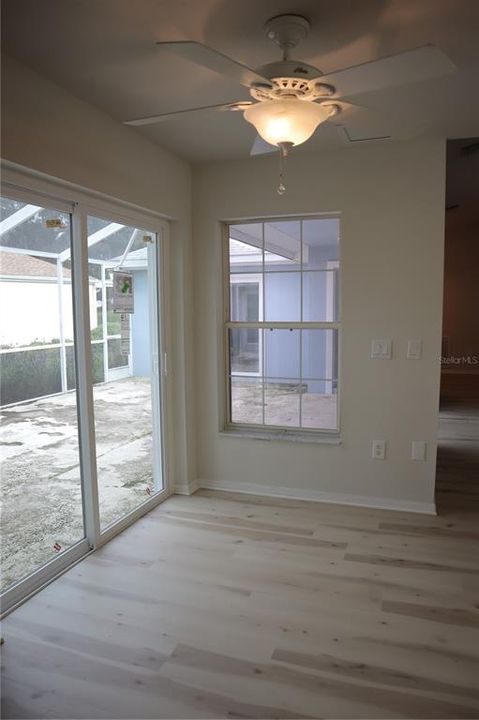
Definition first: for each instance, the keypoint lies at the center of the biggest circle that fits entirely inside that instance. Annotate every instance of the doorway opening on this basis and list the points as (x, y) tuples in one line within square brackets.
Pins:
[(457, 480)]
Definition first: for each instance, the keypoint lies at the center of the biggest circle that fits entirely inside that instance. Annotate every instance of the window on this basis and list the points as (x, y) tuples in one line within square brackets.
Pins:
[(282, 327)]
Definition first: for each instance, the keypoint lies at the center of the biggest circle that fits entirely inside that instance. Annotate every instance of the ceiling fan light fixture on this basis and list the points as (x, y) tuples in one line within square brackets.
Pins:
[(289, 121)]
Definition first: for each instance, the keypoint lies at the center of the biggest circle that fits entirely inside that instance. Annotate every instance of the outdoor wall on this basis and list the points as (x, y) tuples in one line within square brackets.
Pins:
[(391, 197), (282, 301), (36, 314), (140, 329), (283, 293), (47, 129)]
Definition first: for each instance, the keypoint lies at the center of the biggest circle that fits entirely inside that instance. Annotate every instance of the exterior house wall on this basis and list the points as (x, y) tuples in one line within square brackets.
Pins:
[(282, 300), (140, 328), (30, 311)]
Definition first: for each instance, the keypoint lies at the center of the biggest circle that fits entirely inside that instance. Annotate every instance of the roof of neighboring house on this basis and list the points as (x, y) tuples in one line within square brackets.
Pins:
[(21, 265)]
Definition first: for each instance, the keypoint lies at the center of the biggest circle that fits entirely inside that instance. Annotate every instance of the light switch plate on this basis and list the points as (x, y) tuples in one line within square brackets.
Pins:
[(381, 349), (418, 450), (379, 449), (414, 349)]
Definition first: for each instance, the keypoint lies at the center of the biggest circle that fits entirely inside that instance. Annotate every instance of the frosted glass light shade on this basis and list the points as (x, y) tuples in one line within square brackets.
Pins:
[(290, 121)]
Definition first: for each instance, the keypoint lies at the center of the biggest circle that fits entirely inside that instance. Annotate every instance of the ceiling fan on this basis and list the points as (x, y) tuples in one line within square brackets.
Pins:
[(291, 98)]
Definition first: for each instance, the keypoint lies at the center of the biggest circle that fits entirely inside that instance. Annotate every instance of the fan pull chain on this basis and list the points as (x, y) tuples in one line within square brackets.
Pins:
[(281, 189)]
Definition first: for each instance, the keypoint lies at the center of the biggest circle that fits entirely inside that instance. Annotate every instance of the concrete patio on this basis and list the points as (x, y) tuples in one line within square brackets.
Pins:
[(282, 405), (41, 493)]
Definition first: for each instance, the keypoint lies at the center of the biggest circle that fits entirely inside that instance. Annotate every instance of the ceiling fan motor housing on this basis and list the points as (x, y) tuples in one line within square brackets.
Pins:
[(291, 79), (289, 68)]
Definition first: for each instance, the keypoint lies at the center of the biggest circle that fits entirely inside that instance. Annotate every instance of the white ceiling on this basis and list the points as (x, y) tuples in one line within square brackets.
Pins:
[(104, 52)]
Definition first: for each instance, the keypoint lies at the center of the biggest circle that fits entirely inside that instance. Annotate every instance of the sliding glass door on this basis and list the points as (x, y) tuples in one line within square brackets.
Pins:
[(123, 267), (42, 509), (82, 432)]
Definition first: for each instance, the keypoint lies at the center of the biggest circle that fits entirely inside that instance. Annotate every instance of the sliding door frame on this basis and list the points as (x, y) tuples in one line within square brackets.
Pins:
[(30, 187)]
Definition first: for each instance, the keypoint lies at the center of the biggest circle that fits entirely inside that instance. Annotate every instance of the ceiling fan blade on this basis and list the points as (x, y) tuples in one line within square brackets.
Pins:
[(423, 63), (356, 124), (350, 135), (150, 119), (214, 60), (261, 147)]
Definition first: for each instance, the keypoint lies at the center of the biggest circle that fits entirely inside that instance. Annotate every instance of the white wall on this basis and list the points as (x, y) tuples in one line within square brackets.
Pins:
[(391, 197), (392, 200), (32, 311), (49, 130)]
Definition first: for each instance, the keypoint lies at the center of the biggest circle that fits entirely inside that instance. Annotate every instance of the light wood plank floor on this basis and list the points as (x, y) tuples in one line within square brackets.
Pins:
[(224, 605)]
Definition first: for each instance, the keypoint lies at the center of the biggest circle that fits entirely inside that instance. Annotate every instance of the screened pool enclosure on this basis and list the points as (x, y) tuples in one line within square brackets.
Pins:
[(36, 331)]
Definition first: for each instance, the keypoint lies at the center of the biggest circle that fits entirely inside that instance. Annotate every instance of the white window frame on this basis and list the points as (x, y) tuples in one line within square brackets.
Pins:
[(29, 186), (267, 430)]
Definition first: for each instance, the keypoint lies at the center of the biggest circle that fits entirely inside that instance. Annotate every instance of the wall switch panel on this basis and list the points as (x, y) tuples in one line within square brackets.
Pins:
[(418, 450), (379, 449), (381, 349), (414, 349)]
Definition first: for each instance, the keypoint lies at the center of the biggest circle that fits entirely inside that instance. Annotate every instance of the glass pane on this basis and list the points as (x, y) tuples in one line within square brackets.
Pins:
[(126, 396), (282, 245), (246, 298), (319, 404), (113, 323), (246, 248), (320, 243), (246, 400), (245, 350), (282, 297), (29, 373), (281, 401), (319, 354), (116, 357), (320, 296), (30, 227), (281, 353), (42, 513), (96, 302), (109, 240)]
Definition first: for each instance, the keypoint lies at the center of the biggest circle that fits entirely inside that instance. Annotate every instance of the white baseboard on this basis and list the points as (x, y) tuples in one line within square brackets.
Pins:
[(379, 503), (186, 488)]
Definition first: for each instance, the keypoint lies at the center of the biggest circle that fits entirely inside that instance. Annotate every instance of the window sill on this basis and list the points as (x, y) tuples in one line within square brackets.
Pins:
[(282, 436)]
